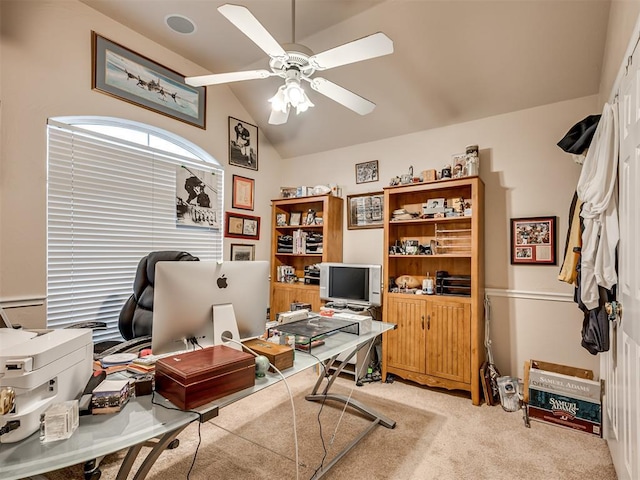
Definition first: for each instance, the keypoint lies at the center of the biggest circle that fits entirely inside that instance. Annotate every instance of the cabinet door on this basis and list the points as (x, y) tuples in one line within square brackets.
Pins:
[(406, 344), (307, 295), (284, 295), (280, 300), (449, 340)]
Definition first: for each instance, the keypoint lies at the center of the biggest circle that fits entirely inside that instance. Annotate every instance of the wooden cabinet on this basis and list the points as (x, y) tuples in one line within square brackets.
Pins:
[(283, 295), (305, 231), (440, 338)]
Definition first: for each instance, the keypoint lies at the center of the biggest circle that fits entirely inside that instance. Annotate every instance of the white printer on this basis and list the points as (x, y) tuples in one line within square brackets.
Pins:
[(39, 369)]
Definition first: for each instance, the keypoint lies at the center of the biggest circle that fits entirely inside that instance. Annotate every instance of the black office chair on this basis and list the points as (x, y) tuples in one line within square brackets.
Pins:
[(136, 317), (135, 323)]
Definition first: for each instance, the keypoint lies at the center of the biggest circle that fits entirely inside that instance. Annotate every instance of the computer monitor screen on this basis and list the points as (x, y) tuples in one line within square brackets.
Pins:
[(186, 292)]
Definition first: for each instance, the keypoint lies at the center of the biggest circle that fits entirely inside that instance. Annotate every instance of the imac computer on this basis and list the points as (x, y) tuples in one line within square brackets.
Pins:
[(351, 284), (194, 300)]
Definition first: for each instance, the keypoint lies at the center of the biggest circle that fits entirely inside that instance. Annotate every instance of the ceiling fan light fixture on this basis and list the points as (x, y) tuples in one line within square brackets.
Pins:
[(291, 94), (304, 105), (294, 93), (279, 101)]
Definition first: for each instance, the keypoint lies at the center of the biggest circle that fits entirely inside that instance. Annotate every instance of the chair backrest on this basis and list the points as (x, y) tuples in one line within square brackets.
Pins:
[(136, 316)]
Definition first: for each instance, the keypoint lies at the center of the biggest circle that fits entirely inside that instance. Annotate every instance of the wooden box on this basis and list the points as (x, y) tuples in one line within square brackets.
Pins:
[(192, 379), (281, 356)]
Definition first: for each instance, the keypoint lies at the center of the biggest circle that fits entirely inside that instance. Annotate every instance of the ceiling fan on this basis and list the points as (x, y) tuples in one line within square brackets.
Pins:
[(295, 63)]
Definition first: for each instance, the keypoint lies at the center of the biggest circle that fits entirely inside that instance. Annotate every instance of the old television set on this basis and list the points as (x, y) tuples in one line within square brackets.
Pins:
[(345, 284), (186, 295)]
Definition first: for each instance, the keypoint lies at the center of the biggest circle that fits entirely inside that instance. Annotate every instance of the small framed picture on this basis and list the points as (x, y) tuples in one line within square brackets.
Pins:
[(288, 192), (243, 144), (433, 205), (533, 241), (243, 192), (310, 218), (367, 172), (242, 252), (281, 219), (295, 219), (242, 226)]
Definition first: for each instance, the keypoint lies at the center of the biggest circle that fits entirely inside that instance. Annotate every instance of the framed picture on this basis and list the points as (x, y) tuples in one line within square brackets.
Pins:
[(367, 172), (243, 144), (242, 252), (310, 218), (242, 226), (433, 205), (288, 192), (281, 219), (243, 192), (533, 241), (365, 210), (197, 202), (295, 218), (129, 76)]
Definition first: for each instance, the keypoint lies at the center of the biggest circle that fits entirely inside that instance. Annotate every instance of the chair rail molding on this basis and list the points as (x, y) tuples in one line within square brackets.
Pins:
[(22, 301), (530, 295)]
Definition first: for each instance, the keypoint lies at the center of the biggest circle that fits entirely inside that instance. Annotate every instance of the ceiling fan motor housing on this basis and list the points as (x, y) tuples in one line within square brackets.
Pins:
[(297, 59)]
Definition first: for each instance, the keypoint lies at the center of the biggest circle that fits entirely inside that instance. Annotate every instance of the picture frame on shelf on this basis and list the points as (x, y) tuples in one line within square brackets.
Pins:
[(433, 205), (310, 218), (242, 252), (288, 192), (281, 219), (533, 241), (295, 218), (243, 144), (367, 172), (365, 210), (242, 226), (243, 193), (126, 75)]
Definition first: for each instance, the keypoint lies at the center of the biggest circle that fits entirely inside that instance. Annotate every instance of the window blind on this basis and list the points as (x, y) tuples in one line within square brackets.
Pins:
[(110, 203)]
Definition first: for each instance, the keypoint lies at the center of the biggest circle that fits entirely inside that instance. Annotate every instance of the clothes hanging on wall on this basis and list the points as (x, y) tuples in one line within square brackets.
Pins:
[(579, 137), (593, 226), (597, 189), (573, 245)]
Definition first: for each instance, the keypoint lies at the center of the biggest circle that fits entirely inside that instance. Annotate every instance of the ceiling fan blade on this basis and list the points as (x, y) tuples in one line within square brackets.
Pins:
[(218, 78), (375, 45), (244, 20), (343, 96), (278, 117)]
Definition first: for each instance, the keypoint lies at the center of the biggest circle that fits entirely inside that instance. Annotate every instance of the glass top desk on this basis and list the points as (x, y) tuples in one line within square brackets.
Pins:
[(141, 421)]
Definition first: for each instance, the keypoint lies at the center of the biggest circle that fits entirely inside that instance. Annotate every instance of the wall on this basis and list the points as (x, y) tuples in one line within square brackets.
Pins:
[(525, 174), (45, 52)]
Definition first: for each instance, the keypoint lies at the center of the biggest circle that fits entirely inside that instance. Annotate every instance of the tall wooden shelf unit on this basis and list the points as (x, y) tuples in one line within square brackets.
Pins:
[(330, 209), (439, 340)]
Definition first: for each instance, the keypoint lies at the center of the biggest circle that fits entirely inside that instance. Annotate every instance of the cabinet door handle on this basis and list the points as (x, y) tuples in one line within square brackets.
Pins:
[(428, 322), (422, 322)]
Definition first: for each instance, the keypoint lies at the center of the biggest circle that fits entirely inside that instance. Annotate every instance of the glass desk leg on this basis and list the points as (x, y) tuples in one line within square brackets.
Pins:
[(160, 446), (314, 396)]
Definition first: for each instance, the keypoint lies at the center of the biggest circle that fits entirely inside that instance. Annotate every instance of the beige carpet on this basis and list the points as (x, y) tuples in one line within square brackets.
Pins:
[(439, 435)]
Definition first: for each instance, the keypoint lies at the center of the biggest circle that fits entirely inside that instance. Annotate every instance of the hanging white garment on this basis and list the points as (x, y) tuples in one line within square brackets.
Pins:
[(598, 191)]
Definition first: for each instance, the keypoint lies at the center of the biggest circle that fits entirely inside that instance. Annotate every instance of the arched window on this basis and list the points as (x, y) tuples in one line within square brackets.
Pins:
[(118, 190)]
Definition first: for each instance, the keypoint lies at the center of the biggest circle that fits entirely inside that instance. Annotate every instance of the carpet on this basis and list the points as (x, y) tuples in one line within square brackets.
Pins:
[(254, 440)]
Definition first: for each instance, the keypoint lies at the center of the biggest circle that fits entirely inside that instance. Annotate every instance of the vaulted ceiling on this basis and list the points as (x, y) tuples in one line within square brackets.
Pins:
[(453, 61)]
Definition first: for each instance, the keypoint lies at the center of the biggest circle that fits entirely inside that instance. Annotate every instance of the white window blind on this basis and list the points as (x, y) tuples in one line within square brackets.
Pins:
[(110, 203)]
